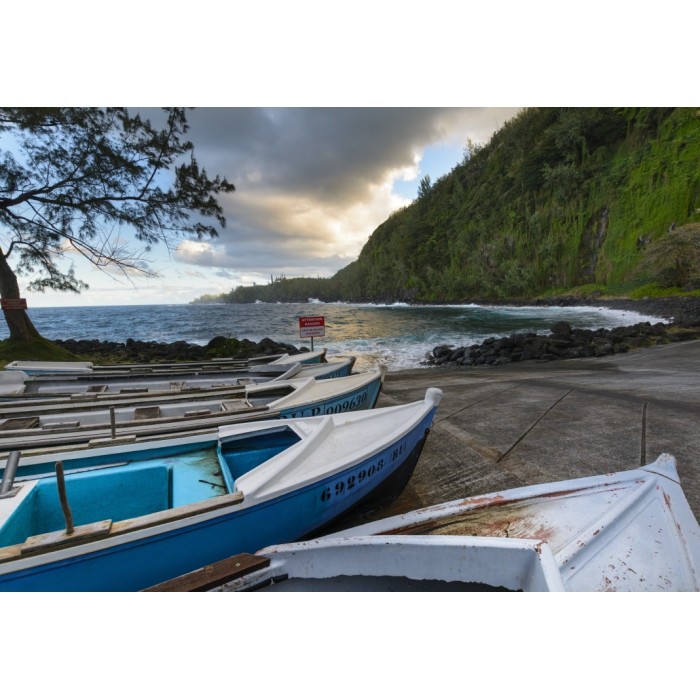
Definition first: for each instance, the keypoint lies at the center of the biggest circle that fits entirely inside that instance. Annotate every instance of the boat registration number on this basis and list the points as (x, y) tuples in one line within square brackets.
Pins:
[(352, 404), (344, 486)]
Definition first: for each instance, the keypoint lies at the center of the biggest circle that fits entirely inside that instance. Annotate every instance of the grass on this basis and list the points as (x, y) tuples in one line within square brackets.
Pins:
[(653, 291), (636, 289), (37, 349)]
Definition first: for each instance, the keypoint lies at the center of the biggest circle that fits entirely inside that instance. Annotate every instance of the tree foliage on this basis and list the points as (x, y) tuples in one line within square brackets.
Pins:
[(74, 180), (424, 187), (76, 174), (674, 260)]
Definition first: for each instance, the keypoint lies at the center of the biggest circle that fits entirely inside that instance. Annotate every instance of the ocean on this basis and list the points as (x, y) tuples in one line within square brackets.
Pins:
[(398, 335)]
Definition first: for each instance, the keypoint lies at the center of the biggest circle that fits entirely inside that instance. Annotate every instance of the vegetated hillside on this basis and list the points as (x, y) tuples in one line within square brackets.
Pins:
[(294, 289), (575, 200)]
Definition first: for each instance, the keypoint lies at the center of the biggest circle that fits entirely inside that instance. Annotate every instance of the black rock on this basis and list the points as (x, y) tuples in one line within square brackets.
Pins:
[(561, 328)]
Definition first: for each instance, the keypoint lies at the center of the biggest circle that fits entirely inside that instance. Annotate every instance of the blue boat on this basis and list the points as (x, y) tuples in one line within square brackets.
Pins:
[(34, 426), (124, 518)]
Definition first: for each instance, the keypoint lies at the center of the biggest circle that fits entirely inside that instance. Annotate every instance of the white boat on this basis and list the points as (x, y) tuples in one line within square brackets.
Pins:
[(126, 418), (35, 367), (157, 393), (628, 531), (16, 385), (127, 517)]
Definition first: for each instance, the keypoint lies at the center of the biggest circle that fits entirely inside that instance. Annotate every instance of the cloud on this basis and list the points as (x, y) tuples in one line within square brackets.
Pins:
[(312, 184), (336, 154)]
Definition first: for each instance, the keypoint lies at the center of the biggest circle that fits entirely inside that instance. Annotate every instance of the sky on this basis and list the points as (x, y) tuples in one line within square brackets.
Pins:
[(312, 184)]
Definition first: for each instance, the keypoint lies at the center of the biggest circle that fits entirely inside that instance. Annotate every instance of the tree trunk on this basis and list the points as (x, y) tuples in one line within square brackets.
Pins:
[(19, 323)]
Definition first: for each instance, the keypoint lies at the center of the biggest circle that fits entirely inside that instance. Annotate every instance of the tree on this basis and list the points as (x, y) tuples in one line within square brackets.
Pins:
[(71, 177), (424, 187)]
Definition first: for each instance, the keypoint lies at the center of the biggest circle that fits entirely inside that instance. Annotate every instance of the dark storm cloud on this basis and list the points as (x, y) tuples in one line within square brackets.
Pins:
[(328, 153), (313, 183)]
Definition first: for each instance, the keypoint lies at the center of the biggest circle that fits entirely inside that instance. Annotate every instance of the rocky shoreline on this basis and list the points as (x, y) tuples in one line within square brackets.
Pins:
[(140, 351), (564, 342), (681, 314)]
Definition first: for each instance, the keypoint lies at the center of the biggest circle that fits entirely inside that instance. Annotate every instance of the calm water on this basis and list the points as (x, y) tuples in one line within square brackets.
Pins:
[(398, 335)]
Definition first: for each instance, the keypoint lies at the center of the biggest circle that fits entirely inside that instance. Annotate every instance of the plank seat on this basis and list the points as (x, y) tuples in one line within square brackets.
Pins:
[(20, 423), (212, 575), (146, 412), (237, 405)]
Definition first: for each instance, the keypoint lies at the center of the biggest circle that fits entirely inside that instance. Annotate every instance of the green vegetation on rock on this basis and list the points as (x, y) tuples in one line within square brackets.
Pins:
[(38, 349), (560, 201)]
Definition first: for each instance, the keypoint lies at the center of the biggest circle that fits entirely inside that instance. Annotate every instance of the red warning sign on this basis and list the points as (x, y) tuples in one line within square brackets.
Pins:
[(312, 326)]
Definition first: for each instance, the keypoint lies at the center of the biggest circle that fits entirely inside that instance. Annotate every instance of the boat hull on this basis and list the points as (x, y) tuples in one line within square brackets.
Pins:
[(390, 488), (137, 560)]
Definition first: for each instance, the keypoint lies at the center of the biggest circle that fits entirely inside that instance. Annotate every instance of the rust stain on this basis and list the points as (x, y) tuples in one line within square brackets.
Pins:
[(483, 501), (667, 501), (498, 499), (487, 501), (516, 521), (493, 516), (608, 585)]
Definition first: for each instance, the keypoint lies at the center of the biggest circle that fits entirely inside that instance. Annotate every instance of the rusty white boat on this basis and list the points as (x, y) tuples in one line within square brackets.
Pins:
[(628, 531)]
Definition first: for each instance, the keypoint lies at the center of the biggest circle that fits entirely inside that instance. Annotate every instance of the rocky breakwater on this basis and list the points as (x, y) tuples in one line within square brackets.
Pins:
[(142, 351), (563, 343)]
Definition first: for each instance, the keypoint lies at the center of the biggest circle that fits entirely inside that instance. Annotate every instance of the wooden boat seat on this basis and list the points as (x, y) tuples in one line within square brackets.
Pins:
[(146, 412), (212, 575), (237, 406), (50, 541), (194, 414), (109, 441), (61, 424), (20, 423)]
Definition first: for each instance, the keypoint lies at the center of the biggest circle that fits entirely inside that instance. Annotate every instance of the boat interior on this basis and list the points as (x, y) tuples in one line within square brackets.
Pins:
[(101, 489), (95, 416)]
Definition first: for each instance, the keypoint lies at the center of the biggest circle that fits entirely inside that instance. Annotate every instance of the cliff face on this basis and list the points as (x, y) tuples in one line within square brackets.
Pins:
[(559, 199), (582, 200)]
